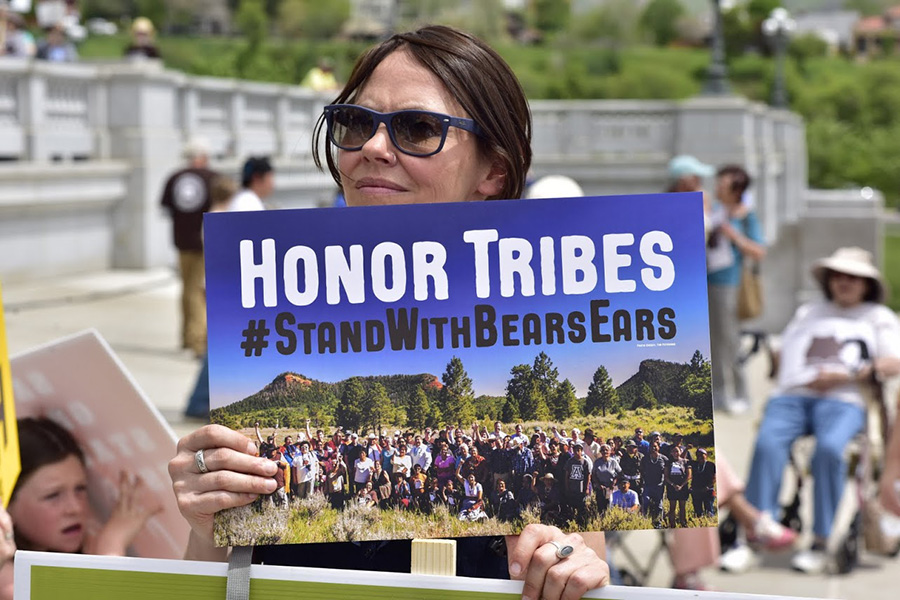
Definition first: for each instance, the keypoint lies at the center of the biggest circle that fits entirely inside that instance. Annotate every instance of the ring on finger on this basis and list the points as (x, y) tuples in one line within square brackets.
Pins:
[(201, 462), (8, 535), (563, 551)]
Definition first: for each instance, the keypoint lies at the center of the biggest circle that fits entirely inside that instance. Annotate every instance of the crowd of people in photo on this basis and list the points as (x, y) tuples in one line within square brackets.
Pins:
[(563, 476)]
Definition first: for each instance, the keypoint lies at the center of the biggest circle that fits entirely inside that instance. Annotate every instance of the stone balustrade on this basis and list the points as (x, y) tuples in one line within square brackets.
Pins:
[(85, 149)]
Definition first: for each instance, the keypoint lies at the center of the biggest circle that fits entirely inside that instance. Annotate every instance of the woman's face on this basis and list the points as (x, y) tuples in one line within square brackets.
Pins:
[(380, 174), (846, 290), (51, 507)]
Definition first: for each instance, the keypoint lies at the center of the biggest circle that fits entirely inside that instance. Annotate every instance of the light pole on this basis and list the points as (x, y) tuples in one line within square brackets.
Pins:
[(779, 27), (717, 74)]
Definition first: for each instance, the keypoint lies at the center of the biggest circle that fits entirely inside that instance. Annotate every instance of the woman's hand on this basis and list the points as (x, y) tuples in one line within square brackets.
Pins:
[(235, 477), (132, 510), (532, 558), (826, 380)]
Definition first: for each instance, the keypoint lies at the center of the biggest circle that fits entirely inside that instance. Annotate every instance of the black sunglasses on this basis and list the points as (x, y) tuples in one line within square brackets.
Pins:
[(413, 132)]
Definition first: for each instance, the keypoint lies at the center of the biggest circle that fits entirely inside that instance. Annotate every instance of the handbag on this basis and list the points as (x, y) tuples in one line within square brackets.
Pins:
[(750, 294)]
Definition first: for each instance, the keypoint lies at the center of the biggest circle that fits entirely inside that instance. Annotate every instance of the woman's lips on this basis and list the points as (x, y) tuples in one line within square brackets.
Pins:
[(372, 185), (73, 530)]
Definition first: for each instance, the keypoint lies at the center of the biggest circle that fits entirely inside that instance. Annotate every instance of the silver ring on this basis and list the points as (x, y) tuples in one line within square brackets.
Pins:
[(201, 462), (8, 536), (563, 551)]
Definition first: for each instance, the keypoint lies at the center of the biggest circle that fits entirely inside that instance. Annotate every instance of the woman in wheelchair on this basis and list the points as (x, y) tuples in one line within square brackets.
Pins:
[(821, 387)]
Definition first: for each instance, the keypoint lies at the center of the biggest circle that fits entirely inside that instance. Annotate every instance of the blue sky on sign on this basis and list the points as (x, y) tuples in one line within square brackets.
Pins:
[(234, 376)]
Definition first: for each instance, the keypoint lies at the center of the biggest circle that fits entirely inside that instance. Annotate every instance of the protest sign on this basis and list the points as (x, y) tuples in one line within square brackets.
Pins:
[(50, 576), (79, 382), (9, 441), (544, 316)]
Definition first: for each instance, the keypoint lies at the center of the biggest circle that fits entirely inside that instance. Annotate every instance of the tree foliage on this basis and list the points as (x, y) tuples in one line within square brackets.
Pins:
[(418, 411), (459, 399), (565, 402), (551, 16), (646, 398), (348, 411), (602, 396), (660, 20)]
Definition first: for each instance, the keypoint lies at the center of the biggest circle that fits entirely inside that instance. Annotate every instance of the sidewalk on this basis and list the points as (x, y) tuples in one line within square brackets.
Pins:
[(137, 312)]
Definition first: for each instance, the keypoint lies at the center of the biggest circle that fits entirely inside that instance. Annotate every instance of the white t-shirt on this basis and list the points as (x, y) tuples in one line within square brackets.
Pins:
[(401, 464), (822, 336), (245, 200), (362, 468)]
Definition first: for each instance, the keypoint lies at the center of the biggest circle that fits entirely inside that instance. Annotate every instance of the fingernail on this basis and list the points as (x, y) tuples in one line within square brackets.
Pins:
[(515, 569)]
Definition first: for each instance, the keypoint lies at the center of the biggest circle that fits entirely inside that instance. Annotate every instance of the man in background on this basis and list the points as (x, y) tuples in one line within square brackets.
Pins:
[(187, 196)]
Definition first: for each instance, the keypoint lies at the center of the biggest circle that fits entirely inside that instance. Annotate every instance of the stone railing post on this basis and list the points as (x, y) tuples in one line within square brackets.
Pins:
[(143, 129), (33, 102)]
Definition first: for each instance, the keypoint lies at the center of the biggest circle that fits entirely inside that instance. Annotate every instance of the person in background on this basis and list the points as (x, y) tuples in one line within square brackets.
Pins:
[(889, 484), (735, 229), (221, 191), (605, 472), (49, 511), (626, 498), (321, 77), (143, 44), (257, 184), (18, 41), (186, 196), (686, 174), (56, 47), (821, 388), (703, 485)]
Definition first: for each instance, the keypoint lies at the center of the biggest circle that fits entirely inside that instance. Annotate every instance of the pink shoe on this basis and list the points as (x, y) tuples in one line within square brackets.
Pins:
[(771, 535)]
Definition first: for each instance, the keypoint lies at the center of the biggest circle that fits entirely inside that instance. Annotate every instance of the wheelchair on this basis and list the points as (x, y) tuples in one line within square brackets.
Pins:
[(864, 459)]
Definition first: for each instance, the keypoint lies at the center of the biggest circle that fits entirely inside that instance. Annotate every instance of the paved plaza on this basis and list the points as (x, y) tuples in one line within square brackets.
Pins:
[(137, 313)]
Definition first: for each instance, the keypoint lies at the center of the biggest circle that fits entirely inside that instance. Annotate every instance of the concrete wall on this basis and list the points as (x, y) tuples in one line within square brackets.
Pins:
[(85, 149)]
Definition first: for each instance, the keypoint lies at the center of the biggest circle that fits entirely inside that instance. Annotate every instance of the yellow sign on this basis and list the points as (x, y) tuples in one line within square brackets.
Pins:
[(9, 432)]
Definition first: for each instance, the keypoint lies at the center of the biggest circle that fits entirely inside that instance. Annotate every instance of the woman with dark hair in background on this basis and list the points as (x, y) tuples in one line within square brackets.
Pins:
[(736, 236)]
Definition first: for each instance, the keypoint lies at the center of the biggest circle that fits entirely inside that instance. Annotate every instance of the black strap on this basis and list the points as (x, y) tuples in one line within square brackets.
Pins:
[(238, 586)]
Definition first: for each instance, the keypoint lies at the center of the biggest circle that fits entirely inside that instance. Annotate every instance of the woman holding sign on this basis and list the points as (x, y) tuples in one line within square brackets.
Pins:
[(433, 115)]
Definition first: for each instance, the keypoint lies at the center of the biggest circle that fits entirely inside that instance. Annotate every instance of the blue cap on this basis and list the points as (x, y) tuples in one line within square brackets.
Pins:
[(685, 164)]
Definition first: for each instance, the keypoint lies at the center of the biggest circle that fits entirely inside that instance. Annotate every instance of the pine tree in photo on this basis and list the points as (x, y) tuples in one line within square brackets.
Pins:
[(565, 404), (602, 396), (459, 399), (348, 412), (418, 410)]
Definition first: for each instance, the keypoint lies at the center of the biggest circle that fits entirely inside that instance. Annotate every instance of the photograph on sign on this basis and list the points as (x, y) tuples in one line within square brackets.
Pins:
[(77, 383), (464, 369)]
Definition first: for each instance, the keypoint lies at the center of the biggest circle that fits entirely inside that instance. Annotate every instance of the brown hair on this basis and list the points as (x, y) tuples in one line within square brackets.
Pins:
[(740, 179), (476, 76), (221, 190), (42, 442)]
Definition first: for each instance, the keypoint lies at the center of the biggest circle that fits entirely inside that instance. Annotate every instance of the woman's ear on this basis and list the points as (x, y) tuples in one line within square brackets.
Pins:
[(494, 181)]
